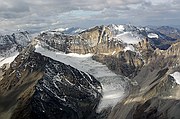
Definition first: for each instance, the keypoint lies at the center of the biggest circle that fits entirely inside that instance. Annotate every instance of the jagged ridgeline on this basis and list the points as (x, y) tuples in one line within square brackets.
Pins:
[(104, 39), (38, 85)]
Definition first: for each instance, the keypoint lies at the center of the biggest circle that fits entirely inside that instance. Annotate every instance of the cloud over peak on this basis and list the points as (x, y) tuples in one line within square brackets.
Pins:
[(42, 14)]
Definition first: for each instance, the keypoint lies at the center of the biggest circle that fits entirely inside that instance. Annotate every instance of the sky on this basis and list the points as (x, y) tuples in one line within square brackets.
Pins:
[(40, 15)]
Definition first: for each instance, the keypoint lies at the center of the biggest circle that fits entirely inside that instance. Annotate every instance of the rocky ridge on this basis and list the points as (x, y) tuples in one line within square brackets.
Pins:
[(10, 46), (20, 39), (156, 94), (34, 83), (148, 63)]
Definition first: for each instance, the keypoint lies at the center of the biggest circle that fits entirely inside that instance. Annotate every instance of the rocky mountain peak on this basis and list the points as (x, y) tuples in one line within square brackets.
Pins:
[(13, 42), (40, 87)]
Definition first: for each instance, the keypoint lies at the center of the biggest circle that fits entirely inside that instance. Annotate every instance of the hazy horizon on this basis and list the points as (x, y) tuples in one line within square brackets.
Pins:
[(39, 15)]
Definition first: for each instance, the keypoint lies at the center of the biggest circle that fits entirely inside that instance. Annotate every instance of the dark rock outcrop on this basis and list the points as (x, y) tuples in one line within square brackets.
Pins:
[(38, 87)]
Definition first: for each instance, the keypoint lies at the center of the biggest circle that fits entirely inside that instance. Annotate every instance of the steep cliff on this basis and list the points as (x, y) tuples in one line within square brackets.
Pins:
[(38, 87), (10, 46), (156, 95), (95, 40)]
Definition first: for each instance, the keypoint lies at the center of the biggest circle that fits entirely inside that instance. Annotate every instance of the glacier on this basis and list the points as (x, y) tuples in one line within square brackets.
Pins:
[(113, 84)]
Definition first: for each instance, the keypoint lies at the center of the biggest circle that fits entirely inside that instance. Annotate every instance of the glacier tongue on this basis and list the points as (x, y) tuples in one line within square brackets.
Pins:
[(113, 85)]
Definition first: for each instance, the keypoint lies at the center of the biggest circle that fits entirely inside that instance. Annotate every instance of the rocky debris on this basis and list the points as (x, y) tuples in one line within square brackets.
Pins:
[(38, 87), (157, 94)]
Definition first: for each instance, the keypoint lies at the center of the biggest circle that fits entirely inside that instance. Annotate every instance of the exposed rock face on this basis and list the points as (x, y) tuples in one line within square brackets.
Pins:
[(109, 49), (124, 63), (129, 63), (105, 39), (96, 40), (9, 44), (20, 39), (37, 87), (156, 95), (162, 40)]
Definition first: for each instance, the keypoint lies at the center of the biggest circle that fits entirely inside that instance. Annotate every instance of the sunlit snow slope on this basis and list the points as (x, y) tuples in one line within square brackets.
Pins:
[(176, 76), (113, 85), (129, 38), (8, 56)]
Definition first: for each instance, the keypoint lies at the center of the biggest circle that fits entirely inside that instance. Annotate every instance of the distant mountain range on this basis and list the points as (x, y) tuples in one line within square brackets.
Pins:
[(104, 72)]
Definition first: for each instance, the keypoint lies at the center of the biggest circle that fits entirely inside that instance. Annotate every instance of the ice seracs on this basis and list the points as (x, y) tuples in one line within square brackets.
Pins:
[(176, 76)]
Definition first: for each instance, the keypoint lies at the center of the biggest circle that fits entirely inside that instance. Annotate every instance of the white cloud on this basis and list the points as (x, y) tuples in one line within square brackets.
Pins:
[(42, 14)]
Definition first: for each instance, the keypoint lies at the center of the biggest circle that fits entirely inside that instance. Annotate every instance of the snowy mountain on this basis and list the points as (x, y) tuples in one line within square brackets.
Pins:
[(169, 31), (70, 91), (153, 72), (132, 34), (113, 85), (40, 87), (73, 30), (70, 31), (118, 33), (10, 45), (132, 46), (104, 72)]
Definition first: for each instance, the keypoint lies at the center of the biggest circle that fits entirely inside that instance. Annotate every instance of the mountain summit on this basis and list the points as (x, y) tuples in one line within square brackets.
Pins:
[(104, 72)]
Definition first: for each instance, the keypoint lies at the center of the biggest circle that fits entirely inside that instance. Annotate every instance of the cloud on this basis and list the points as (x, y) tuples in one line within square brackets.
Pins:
[(38, 15), (13, 6)]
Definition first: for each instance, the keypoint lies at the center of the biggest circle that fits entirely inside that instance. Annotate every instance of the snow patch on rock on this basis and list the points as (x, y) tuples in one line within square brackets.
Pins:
[(176, 76), (118, 27), (9, 59), (153, 35), (128, 37), (130, 48)]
